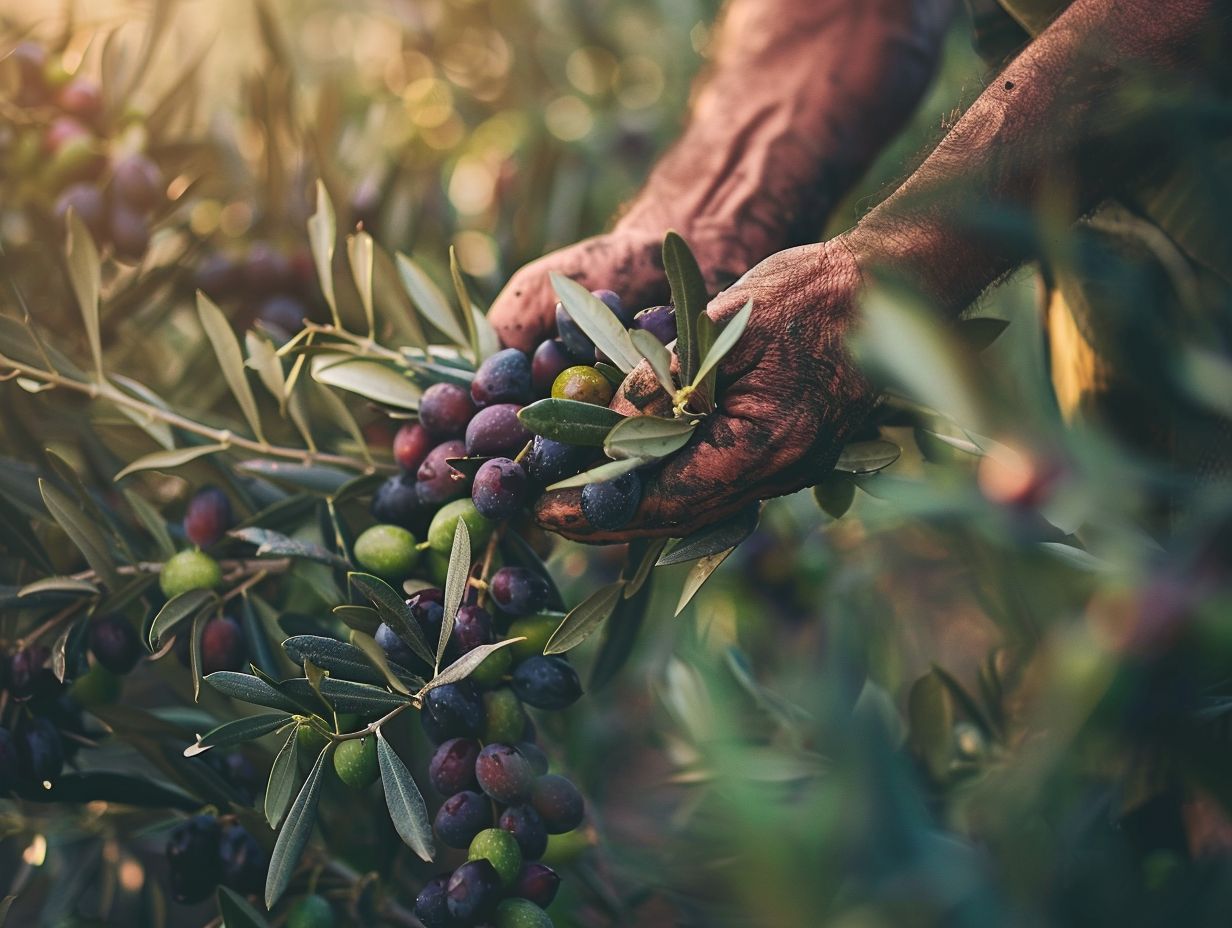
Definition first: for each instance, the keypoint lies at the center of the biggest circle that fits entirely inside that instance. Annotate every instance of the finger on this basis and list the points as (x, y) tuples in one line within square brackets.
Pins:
[(524, 313)]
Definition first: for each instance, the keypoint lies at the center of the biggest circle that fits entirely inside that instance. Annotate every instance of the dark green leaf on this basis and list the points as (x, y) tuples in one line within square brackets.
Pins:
[(260, 622), (284, 775), (175, 611), (196, 659), (80, 530), (274, 544), (646, 552), (867, 457), (153, 521), (316, 478), (457, 579), (247, 688), (360, 698), (398, 678), (690, 298), (613, 374), (835, 494), (169, 460), (980, 332), (585, 618), (236, 912), (407, 809), (647, 437), (245, 729), (714, 538), (361, 618), (570, 421), (339, 658), (969, 704), (294, 836), (394, 611), (59, 585)]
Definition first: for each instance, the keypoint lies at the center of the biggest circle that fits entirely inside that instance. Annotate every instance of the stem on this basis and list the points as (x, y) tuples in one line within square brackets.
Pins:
[(371, 727), (487, 563), (220, 436), (360, 341)]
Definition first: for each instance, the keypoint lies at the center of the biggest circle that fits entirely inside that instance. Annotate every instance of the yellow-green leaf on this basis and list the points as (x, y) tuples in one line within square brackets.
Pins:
[(230, 359)]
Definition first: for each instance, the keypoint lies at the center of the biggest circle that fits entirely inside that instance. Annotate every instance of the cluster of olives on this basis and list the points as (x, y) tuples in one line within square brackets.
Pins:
[(206, 520), (277, 288), (481, 422), (63, 151), (206, 851)]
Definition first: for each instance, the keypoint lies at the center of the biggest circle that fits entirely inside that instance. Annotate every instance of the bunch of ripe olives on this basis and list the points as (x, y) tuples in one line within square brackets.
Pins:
[(276, 287), (480, 421), (63, 150)]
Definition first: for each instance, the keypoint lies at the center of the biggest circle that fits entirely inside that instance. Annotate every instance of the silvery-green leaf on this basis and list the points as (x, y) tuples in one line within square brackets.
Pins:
[(585, 618), (251, 689), (398, 679), (569, 421), (867, 457), (456, 580), (337, 411), (690, 298), (318, 478), (464, 305), (647, 437), (230, 359), (274, 544), (395, 304), (167, 460), (371, 379), (407, 809), (82, 531), (724, 342), (698, 575), (338, 658), (263, 358), (597, 320), (394, 612), (489, 341), (714, 539), (84, 274), (466, 664), (293, 837), (429, 300), (239, 731), (609, 471), (359, 698), (322, 235), (359, 253), (657, 355), (175, 611)]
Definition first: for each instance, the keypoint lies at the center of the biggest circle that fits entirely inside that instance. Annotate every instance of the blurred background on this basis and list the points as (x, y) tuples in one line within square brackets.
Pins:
[(975, 689)]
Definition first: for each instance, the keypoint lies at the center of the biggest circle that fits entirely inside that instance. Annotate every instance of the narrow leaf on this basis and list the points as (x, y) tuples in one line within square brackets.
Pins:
[(835, 494), (239, 730), (585, 618), (659, 358), (429, 300), (464, 305), (236, 912), (294, 836), (153, 521), (370, 379), (315, 477), (393, 300), (714, 539), (359, 698), (167, 460), (59, 585), (230, 360), (322, 235), (340, 659), (84, 274), (646, 563), (282, 779), (359, 251), (274, 544), (80, 530), (698, 576), (456, 581), (724, 342), (609, 471), (375, 653), (196, 659), (407, 809), (464, 665), (361, 618), (394, 612), (690, 297), (569, 421), (263, 359), (247, 688), (647, 437), (175, 611), (867, 457), (597, 320)]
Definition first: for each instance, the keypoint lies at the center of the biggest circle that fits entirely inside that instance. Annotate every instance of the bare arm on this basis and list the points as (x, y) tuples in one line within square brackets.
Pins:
[(800, 97)]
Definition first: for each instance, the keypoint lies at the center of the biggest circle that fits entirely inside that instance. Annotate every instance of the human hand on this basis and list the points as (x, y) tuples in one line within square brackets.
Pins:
[(789, 397)]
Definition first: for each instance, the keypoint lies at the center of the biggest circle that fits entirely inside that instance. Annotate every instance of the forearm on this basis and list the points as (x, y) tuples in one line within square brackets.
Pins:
[(1039, 136), (801, 96)]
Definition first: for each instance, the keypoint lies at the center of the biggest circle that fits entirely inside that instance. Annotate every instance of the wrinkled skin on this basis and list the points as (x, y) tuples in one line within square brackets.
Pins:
[(789, 399)]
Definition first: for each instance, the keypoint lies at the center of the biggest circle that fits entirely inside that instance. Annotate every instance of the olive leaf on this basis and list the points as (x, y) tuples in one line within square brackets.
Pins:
[(82, 531), (456, 579), (317, 478), (585, 618), (263, 359), (397, 679), (867, 457), (359, 698), (294, 835), (167, 460), (337, 410), (394, 612), (569, 421), (647, 437), (236, 912), (84, 274), (393, 300), (230, 360), (238, 731), (429, 300), (359, 253), (59, 585), (464, 305), (596, 319), (361, 618), (657, 355), (251, 689), (407, 809), (1076, 557), (274, 544), (371, 379), (978, 332), (175, 611), (835, 494), (464, 665), (620, 632), (468, 467), (322, 236), (724, 342), (714, 539), (196, 659), (698, 575), (690, 298), (651, 549), (337, 657), (609, 471), (282, 779)]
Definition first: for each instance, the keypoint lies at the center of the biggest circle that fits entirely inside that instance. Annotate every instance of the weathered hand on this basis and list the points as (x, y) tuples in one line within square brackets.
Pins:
[(789, 398)]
